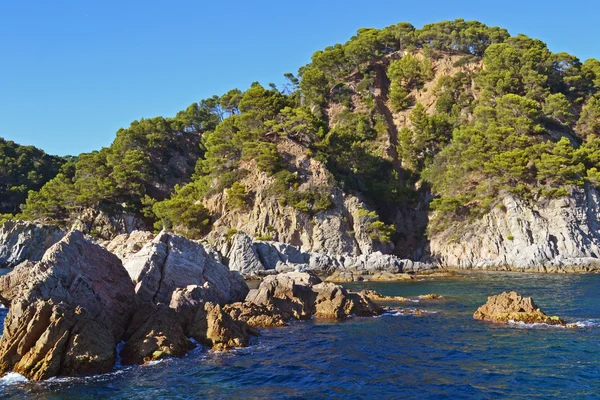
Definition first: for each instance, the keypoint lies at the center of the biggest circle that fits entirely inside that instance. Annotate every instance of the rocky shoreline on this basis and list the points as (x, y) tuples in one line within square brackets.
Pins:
[(73, 301)]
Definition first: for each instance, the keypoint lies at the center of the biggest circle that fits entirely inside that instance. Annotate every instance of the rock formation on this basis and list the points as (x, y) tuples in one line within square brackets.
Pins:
[(21, 241), (67, 312), (559, 235), (512, 306), (171, 261), (302, 295)]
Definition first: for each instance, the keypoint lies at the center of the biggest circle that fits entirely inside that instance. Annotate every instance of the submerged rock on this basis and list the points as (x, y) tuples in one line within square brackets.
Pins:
[(24, 241), (67, 312), (512, 306)]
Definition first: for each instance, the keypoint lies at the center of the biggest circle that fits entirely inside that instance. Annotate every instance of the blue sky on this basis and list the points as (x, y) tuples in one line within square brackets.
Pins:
[(73, 72)]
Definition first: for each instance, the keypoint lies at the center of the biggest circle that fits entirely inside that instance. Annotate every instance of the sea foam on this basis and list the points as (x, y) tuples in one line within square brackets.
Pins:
[(11, 378)]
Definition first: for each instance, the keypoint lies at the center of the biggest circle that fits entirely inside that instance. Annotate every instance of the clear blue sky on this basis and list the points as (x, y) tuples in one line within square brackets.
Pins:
[(73, 72)]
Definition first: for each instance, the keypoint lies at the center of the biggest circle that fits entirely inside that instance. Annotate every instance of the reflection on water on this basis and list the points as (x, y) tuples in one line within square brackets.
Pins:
[(437, 355)]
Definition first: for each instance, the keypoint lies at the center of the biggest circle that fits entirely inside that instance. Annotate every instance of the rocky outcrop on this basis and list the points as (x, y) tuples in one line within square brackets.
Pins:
[(171, 261), (67, 312), (21, 241), (302, 295), (255, 315), (127, 244), (262, 258), (559, 235), (106, 226), (512, 306)]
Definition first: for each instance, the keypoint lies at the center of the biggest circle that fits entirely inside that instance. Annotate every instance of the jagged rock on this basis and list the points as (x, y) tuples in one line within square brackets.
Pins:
[(511, 306), (67, 312), (170, 262), (333, 301), (323, 264), (559, 235), (155, 332), (127, 244), (21, 241), (242, 256), (222, 332), (387, 276), (289, 294), (254, 315), (301, 295), (105, 226)]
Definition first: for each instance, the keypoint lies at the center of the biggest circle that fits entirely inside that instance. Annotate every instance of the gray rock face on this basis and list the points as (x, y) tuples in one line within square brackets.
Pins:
[(242, 256), (67, 312), (104, 226), (21, 241), (127, 244), (170, 262), (560, 235)]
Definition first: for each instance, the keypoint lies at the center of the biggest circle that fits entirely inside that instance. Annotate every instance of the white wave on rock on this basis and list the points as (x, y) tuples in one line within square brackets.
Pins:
[(12, 378)]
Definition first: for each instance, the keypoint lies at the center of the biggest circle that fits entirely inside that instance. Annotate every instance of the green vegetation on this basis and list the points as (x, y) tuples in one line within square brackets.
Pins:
[(456, 109), (23, 168)]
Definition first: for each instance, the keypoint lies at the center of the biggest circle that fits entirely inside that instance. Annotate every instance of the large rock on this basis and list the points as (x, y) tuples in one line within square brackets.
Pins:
[(67, 312), (242, 256), (559, 235), (171, 261), (512, 306), (255, 315), (302, 295), (21, 241), (105, 226), (290, 294), (127, 244)]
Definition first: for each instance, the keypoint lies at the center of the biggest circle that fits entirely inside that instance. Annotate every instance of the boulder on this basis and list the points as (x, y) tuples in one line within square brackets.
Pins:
[(255, 315), (242, 256), (344, 276), (171, 261), (334, 302), (21, 241), (289, 294), (67, 312), (155, 332), (222, 331), (301, 295), (127, 244), (512, 306)]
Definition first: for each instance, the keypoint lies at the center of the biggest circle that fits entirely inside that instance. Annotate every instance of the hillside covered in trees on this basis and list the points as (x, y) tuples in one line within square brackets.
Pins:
[(426, 127)]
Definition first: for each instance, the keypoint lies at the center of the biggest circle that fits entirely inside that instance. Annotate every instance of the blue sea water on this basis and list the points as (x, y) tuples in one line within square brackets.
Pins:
[(443, 353)]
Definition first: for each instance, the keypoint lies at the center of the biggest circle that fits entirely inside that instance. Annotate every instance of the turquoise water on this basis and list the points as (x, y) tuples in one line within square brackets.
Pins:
[(441, 354)]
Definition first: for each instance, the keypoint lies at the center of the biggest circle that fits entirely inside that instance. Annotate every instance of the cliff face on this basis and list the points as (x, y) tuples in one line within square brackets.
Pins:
[(559, 235), (342, 229)]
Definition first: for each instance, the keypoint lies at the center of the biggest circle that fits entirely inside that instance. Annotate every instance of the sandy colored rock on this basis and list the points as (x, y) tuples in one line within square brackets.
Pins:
[(254, 315), (376, 296), (222, 332), (430, 296), (127, 244), (512, 306), (388, 276), (67, 312)]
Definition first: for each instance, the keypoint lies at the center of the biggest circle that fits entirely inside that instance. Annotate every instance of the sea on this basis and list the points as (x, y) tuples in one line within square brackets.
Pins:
[(440, 353)]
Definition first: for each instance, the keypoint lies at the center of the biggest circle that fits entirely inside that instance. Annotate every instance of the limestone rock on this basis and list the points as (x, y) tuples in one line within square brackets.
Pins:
[(222, 332), (333, 301), (127, 244), (289, 294), (67, 312), (242, 256), (558, 235), (512, 306), (254, 315), (21, 241), (105, 226), (171, 261)]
